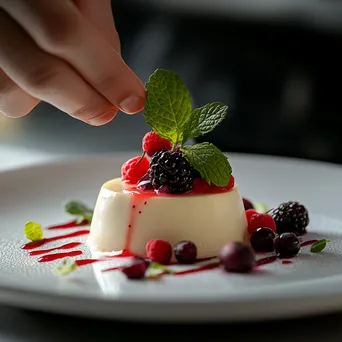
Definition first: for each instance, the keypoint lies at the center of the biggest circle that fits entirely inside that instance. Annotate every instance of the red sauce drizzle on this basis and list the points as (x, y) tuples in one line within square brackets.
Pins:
[(308, 243), (286, 262), (35, 244), (197, 270), (72, 224), (55, 256), (84, 262), (112, 269), (66, 246), (265, 261)]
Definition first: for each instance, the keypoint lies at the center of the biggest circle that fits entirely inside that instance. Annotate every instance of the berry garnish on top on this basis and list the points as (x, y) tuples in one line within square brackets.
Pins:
[(175, 165), (291, 217), (153, 143), (259, 221), (170, 169), (134, 169)]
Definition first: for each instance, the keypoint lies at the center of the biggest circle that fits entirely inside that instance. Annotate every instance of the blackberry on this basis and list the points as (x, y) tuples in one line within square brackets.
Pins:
[(169, 169), (291, 217)]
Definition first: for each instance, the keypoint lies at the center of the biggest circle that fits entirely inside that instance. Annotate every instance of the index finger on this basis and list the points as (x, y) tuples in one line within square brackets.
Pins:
[(63, 31)]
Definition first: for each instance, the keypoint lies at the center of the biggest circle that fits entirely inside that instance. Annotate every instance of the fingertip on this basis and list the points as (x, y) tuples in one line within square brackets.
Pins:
[(132, 104), (103, 118)]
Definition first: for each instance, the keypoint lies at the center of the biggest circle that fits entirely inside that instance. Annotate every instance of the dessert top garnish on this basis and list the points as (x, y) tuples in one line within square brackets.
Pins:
[(169, 112)]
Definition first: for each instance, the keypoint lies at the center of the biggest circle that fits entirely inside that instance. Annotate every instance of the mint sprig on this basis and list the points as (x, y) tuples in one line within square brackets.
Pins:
[(168, 105), (169, 112), (80, 210), (319, 246), (210, 162), (203, 120)]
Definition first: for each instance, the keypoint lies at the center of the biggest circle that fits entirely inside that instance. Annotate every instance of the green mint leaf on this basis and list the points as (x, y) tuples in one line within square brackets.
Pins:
[(79, 209), (33, 231), (203, 120), (210, 162), (319, 246), (65, 267), (260, 207), (168, 105)]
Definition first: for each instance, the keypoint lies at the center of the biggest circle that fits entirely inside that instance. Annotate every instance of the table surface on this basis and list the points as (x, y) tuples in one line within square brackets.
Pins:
[(38, 139)]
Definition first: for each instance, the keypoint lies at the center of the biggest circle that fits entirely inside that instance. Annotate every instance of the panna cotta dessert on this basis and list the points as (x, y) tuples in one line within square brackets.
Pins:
[(173, 191), (128, 219)]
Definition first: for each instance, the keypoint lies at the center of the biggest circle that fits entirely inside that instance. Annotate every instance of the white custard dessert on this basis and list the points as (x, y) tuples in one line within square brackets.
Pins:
[(127, 220)]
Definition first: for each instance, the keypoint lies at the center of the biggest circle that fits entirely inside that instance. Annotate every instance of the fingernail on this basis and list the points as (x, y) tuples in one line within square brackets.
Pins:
[(132, 104), (103, 118)]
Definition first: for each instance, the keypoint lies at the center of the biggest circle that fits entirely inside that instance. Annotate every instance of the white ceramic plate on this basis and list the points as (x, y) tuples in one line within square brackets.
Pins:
[(311, 284)]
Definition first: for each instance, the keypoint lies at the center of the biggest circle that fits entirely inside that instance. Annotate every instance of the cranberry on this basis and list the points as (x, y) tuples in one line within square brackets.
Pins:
[(248, 204), (136, 270), (262, 240), (185, 252), (287, 245), (237, 257)]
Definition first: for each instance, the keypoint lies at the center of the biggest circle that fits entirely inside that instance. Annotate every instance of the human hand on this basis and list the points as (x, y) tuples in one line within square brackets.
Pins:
[(66, 53)]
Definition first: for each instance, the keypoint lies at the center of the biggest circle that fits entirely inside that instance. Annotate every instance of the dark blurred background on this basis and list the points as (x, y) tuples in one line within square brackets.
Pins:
[(277, 64)]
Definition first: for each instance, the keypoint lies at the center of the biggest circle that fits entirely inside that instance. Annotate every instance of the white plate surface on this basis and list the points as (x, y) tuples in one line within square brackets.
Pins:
[(311, 284)]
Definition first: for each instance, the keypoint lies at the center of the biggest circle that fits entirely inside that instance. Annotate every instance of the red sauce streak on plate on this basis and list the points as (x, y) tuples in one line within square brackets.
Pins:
[(66, 246), (308, 243), (55, 256), (265, 261), (35, 244), (197, 270), (112, 269), (84, 262), (286, 262), (72, 224)]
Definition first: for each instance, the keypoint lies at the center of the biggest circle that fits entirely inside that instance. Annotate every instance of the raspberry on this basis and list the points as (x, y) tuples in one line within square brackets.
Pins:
[(132, 172), (231, 183), (261, 221), (249, 214), (159, 251), (171, 172), (291, 217), (153, 143)]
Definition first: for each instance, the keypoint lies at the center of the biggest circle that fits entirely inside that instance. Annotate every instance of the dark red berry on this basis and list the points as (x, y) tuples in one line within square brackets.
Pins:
[(259, 221), (287, 245), (185, 252), (152, 143), (135, 168), (262, 240), (159, 251), (145, 183), (237, 257), (248, 204), (136, 270)]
